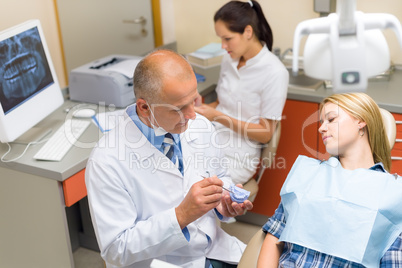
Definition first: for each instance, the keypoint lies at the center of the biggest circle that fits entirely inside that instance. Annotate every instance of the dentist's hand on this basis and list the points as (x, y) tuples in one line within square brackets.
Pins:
[(228, 208), (201, 198)]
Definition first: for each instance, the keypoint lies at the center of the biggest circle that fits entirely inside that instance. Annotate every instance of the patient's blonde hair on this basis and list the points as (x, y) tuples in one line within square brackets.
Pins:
[(364, 108)]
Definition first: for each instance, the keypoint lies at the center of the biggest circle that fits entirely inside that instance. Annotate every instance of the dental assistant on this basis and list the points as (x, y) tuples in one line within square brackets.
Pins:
[(251, 90), (146, 203)]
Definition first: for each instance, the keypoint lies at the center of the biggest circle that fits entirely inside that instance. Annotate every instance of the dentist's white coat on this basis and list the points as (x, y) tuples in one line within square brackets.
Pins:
[(133, 192)]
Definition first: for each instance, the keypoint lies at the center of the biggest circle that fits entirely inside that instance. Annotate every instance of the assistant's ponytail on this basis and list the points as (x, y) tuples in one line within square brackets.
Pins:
[(263, 25)]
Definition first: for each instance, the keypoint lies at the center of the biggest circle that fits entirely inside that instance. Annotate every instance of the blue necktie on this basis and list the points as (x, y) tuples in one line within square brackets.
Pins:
[(168, 148)]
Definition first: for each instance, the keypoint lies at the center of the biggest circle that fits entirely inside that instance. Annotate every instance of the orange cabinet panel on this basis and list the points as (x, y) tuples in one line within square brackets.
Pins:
[(396, 152), (299, 136), (396, 166), (74, 188), (398, 144), (398, 117)]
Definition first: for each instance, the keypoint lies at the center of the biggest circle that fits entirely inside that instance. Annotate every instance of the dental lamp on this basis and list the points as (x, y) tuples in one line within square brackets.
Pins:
[(346, 47)]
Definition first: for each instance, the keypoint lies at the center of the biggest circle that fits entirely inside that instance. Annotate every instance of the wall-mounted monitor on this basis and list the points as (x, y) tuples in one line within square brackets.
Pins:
[(29, 89)]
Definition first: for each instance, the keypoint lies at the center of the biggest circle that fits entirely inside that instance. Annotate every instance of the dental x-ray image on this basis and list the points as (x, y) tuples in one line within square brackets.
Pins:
[(23, 69)]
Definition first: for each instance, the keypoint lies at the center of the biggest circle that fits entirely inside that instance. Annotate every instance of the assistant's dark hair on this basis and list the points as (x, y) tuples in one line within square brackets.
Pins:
[(237, 15)]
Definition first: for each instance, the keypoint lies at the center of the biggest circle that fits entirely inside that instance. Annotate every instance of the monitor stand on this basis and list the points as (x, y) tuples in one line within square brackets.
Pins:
[(35, 134)]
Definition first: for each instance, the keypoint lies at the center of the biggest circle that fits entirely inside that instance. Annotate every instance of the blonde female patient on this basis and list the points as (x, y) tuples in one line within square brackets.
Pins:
[(346, 211), (251, 90)]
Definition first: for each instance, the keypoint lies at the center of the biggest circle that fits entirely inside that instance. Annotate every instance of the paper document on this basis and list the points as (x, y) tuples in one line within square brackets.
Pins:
[(108, 120), (211, 50)]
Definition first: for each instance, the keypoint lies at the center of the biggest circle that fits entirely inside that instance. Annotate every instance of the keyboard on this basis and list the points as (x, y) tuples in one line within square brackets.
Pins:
[(62, 140)]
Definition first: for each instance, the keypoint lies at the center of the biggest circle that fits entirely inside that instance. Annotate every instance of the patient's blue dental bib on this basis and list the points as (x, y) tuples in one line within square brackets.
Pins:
[(352, 214)]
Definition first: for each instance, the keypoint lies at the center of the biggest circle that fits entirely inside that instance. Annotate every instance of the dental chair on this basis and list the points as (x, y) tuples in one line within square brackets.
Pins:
[(390, 126), (267, 157), (252, 251)]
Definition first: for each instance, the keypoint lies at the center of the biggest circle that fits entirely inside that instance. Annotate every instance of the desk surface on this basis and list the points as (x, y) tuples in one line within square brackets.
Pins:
[(77, 157), (211, 78), (74, 161), (387, 94)]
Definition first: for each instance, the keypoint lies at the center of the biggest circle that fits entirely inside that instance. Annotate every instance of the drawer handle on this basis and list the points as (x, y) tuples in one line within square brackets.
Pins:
[(396, 158), (398, 140), (398, 122)]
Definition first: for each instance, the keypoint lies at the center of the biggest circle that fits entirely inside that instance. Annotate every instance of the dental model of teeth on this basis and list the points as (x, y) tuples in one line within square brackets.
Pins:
[(238, 194)]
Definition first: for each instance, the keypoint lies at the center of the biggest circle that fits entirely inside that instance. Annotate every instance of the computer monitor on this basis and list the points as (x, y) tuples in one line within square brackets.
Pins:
[(29, 89)]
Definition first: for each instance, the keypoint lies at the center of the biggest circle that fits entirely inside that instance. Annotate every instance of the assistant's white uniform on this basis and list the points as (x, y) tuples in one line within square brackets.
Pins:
[(133, 190), (256, 90)]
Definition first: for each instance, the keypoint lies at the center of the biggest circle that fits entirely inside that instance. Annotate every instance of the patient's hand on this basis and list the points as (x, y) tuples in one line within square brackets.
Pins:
[(208, 111), (198, 100)]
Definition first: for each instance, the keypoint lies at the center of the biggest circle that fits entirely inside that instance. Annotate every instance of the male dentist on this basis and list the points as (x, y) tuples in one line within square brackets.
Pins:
[(155, 181)]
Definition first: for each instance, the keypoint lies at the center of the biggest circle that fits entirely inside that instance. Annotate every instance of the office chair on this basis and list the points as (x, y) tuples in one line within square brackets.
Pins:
[(267, 157), (252, 251)]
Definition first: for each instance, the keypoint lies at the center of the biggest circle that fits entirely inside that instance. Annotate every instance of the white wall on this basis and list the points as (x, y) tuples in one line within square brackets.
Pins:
[(194, 20), (168, 21), (18, 11), (393, 7), (190, 22)]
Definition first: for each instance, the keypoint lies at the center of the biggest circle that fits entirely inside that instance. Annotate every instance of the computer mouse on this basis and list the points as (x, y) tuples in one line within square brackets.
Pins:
[(84, 113)]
